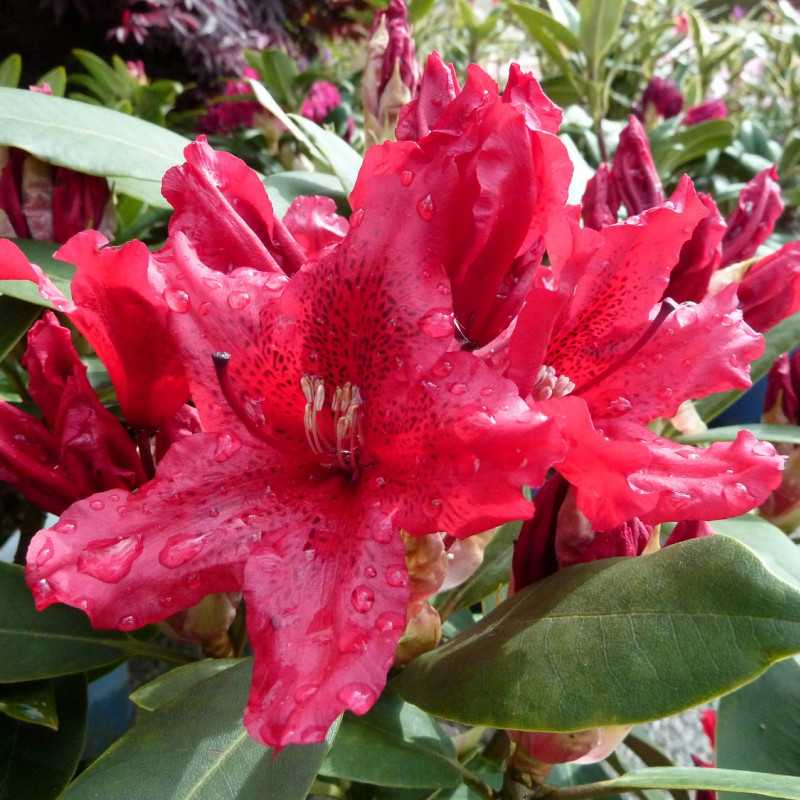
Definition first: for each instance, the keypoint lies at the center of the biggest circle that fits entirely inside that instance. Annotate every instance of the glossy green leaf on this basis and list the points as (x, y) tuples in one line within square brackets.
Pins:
[(17, 317), (342, 159), (780, 339), (584, 647), (41, 254), (34, 703), (10, 71), (195, 748), (690, 143), (790, 155), (395, 744), (565, 12), (492, 573), (170, 685), (283, 187), (758, 726), (789, 434), (90, 139), (599, 24), (535, 21), (36, 763), (279, 72), (57, 641), (419, 9), (783, 786)]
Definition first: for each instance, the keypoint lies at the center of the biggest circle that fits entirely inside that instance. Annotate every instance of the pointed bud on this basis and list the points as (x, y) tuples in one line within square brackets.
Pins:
[(710, 109), (391, 73), (207, 623), (437, 88), (661, 98), (600, 203), (770, 290), (423, 632), (754, 217), (634, 171)]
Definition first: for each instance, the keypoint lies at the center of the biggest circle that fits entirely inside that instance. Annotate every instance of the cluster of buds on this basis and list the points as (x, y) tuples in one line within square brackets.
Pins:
[(391, 74)]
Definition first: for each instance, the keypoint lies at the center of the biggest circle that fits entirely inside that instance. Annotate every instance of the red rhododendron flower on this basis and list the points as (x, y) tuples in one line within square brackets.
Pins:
[(118, 306), (770, 290), (618, 351), (78, 447), (661, 98), (337, 409), (502, 146), (710, 109), (226, 116), (314, 224), (322, 98), (634, 172)]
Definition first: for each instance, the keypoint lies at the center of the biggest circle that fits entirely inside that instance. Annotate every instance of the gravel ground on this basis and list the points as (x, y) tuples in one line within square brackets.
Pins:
[(681, 735)]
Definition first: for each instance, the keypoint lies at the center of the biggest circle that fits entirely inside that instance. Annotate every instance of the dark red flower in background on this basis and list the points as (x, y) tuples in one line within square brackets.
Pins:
[(710, 109), (634, 172), (661, 98)]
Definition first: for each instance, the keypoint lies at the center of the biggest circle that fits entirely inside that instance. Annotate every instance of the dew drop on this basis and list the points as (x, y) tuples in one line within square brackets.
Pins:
[(425, 208), (370, 571), (204, 308), (177, 300), (442, 369), (212, 283), (458, 388), (110, 560), (128, 623), (43, 589), (437, 323), (390, 621), (356, 218), (406, 177), (305, 692), (82, 603), (763, 449), (227, 445), (686, 315), (738, 493), (180, 549), (358, 697), (362, 598), (65, 526), (97, 505), (486, 391), (45, 553), (397, 575), (681, 499), (313, 735), (238, 300)]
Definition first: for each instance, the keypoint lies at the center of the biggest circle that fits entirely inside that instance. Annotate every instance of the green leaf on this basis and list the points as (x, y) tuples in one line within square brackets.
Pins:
[(41, 254), (599, 23), (57, 641), (17, 318), (168, 686), (395, 744), (780, 339), (10, 71), (789, 434), (688, 144), (283, 187), (34, 703), (112, 83), (56, 79), (195, 748), (758, 726), (342, 159), (565, 13), (37, 763), (492, 573), (419, 9), (535, 20), (90, 139), (279, 72), (585, 647), (790, 155), (784, 786)]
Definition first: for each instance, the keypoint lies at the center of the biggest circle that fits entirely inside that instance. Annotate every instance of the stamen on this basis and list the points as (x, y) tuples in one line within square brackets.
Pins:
[(548, 384)]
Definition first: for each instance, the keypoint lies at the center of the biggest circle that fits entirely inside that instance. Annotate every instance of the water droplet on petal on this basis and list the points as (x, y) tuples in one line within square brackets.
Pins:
[(620, 405), (680, 499), (390, 621), (406, 177), (362, 598), (437, 323), (97, 505), (212, 283), (43, 589), (238, 300), (313, 735), (356, 218), (686, 314), (763, 449), (370, 571), (65, 526), (738, 493), (425, 208), (82, 603), (442, 369), (358, 697), (128, 623), (45, 553), (227, 445), (397, 575), (177, 300), (204, 308), (180, 549), (486, 391), (458, 388), (305, 692), (110, 560)]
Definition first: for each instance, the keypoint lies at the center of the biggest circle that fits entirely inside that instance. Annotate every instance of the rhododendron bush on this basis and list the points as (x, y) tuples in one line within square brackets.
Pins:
[(399, 468)]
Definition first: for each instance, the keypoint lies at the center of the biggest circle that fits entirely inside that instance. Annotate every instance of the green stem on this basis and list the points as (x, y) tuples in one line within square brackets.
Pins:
[(598, 789)]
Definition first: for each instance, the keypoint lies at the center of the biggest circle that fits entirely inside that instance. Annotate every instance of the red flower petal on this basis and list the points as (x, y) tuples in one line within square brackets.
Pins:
[(125, 321), (634, 172), (438, 87), (525, 94), (770, 290), (314, 224), (222, 207), (14, 266), (326, 604), (689, 529), (600, 202), (698, 349)]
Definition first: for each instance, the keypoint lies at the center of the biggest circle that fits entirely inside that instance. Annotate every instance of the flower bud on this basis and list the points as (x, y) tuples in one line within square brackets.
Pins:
[(391, 73), (207, 623), (423, 632), (710, 109), (770, 290), (634, 172), (661, 98), (754, 217), (580, 747), (322, 98), (600, 202)]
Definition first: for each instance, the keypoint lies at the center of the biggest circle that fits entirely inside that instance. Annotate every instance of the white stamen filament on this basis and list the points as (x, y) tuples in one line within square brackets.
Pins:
[(548, 384)]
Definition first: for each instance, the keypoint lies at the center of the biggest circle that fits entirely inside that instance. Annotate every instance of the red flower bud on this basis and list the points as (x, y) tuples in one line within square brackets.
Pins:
[(662, 97), (710, 109), (634, 171), (754, 217), (600, 202), (770, 291)]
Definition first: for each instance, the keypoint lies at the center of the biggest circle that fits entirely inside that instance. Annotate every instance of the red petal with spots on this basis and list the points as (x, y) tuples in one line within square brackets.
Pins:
[(125, 320), (222, 207), (326, 603), (770, 290), (480, 152), (698, 349), (314, 224)]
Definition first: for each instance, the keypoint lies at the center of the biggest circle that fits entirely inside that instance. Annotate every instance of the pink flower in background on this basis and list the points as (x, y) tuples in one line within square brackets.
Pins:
[(227, 116), (137, 71), (710, 109), (322, 98)]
